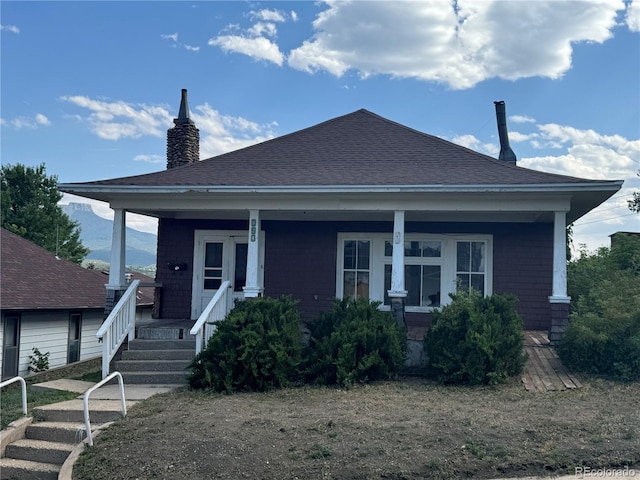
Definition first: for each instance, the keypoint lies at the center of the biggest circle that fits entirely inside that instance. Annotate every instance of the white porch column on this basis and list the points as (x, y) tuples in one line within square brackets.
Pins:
[(559, 290), (397, 260), (117, 279), (252, 288), (559, 300)]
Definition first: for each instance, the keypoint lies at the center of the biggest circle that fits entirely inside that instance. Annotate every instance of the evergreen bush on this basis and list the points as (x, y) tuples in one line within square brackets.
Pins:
[(354, 342), (256, 347), (475, 340)]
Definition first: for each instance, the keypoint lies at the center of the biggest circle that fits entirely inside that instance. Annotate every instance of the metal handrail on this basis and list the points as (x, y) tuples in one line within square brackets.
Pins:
[(123, 319), (24, 390), (209, 312), (87, 422)]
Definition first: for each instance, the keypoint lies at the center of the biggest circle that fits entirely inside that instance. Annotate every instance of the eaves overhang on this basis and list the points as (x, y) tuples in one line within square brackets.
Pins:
[(581, 197)]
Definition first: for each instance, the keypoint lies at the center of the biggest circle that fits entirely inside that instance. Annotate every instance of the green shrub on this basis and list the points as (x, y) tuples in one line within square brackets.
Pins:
[(475, 340), (354, 342), (256, 347), (605, 345)]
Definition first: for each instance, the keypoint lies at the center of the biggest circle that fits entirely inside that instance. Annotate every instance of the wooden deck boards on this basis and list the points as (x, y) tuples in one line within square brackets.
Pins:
[(543, 371)]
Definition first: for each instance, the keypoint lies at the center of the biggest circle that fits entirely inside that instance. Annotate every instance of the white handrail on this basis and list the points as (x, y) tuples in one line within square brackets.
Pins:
[(120, 323), (24, 390), (216, 310), (87, 423)]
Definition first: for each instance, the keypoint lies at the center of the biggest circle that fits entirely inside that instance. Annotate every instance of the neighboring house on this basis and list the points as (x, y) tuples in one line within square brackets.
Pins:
[(48, 303), (357, 206)]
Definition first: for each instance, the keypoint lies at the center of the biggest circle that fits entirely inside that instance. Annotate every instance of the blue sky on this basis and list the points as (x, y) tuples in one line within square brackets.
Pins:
[(90, 88)]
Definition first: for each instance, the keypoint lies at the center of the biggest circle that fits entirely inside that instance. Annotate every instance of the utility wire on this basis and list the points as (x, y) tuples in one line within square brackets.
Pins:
[(604, 219)]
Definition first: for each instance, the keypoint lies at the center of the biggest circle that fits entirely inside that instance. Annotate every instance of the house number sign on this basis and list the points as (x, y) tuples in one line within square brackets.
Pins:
[(253, 229)]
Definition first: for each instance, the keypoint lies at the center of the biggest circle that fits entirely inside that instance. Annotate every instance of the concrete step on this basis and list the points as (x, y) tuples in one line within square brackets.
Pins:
[(63, 432), (165, 332), (39, 451), (156, 378), (180, 354), (151, 365), (100, 411), (11, 468), (147, 344)]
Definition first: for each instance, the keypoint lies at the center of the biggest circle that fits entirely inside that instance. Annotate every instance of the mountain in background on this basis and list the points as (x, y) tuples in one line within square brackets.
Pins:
[(96, 236)]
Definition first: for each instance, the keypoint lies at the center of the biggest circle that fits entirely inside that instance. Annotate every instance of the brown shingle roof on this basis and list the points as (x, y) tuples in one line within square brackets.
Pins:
[(31, 278), (360, 148)]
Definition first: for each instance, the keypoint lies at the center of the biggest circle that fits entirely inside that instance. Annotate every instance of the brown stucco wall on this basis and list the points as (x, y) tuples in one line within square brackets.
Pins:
[(300, 260)]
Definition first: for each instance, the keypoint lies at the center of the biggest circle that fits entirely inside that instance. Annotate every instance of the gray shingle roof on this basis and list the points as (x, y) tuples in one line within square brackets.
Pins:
[(360, 148), (31, 278)]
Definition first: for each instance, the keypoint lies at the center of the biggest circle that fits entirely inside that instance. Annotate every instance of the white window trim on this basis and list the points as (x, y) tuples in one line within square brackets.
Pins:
[(447, 262)]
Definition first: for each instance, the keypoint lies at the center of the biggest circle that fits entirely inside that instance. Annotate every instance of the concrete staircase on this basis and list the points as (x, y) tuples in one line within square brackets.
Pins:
[(49, 440), (158, 361)]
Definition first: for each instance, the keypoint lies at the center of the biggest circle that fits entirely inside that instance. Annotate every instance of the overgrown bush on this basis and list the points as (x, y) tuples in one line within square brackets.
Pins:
[(38, 362), (604, 345), (256, 347), (475, 340), (354, 342), (603, 336)]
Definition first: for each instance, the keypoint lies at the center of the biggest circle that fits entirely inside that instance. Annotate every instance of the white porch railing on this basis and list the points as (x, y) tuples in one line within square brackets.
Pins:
[(24, 390), (120, 323), (85, 402), (215, 311)]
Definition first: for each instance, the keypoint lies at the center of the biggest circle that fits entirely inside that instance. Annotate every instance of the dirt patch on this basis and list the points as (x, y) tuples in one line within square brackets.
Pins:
[(407, 429)]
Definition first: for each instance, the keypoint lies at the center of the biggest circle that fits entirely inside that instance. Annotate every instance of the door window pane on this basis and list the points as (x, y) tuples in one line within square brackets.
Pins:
[(10, 350), (73, 354), (463, 258), (240, 275), (213, 255), (212, 283)]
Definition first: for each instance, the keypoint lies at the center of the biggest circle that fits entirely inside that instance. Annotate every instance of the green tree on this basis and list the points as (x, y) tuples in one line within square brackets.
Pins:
[(634, 204), (29, 207)]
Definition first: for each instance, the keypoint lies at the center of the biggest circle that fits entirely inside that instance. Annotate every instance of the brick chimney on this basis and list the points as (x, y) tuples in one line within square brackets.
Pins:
[(183, 140)]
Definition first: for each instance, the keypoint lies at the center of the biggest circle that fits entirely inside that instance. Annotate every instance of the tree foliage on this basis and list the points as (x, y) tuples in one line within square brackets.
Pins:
[(604, 333), (634, 203), (29, 207)]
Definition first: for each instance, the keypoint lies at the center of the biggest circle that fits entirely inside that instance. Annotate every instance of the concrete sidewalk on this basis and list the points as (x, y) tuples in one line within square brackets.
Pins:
[(110, 391)]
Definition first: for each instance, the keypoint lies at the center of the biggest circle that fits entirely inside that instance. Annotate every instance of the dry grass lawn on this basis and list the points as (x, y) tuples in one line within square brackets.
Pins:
[(406, 429)]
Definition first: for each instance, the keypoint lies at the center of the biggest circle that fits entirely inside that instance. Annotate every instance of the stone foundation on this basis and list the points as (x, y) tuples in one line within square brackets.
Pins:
[(559, 321)]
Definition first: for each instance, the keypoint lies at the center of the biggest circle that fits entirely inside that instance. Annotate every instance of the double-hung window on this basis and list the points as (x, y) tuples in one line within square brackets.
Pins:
[(422, 272), (434, 267)]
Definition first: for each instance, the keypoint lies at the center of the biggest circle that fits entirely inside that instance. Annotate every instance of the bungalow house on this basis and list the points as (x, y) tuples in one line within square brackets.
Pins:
[(48, 303), (356, 206)]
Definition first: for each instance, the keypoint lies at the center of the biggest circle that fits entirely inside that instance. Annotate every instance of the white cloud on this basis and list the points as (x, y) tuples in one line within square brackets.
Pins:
[(10, 28), (269, 15), (261, 28), (117, 119), (258, 48), (633, 16), (149, 158), (39, 120), (223, 133), (42, 119), (473, 143), (174, 39), (521, 119), (455, 43), (219, 133), (294, 16), (173, 36)]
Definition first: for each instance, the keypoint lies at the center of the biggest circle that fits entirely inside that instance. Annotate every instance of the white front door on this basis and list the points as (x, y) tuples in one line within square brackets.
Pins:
[(218, 257)]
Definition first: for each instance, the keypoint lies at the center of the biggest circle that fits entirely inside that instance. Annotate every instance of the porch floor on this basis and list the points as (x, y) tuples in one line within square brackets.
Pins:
[(543, 371)]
